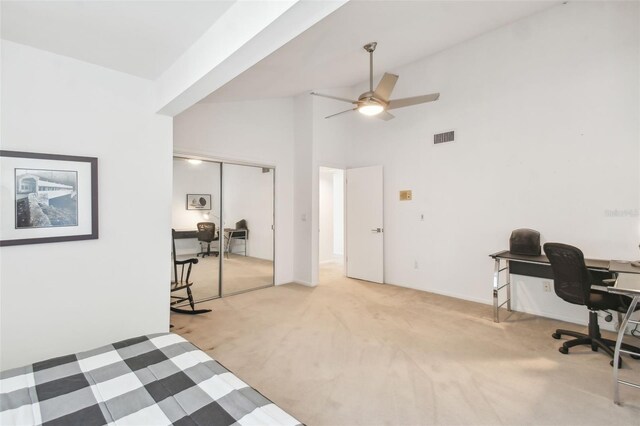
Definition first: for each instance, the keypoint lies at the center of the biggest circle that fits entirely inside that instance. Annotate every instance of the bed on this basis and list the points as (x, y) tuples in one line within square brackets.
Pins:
[(158, 379)]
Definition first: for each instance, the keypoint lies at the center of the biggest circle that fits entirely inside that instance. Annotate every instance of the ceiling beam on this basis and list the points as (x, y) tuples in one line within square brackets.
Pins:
[(247, 33)]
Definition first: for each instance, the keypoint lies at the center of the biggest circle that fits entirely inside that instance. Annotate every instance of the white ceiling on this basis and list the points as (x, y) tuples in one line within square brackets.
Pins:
[(330, 53), (142, 38), (145, 37)]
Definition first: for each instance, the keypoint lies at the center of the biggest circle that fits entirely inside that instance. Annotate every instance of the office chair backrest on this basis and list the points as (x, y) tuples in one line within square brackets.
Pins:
[(571, 279), (206, 231)]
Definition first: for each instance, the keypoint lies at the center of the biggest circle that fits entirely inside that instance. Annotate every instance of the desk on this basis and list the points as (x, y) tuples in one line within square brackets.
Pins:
[(628, 284), (235, 234), (532, 266), (183, 234)]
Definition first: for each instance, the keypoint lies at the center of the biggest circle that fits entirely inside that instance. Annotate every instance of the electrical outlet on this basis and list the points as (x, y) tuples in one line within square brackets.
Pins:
[(546, 286)]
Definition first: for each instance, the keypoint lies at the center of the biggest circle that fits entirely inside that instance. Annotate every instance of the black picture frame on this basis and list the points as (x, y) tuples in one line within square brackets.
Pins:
[(41, 232), (198, 201)]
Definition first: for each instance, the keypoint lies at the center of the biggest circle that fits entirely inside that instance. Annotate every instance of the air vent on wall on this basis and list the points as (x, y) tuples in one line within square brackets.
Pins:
[(443, 137)]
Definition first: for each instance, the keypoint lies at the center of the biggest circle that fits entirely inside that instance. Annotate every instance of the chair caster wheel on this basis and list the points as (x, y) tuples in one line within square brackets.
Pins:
[(563, 350), (619, 363), (556, 335)]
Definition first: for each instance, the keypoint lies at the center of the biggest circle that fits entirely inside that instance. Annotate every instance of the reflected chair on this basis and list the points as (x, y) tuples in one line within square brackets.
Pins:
[(572, 282), (241, 232), (206, 235), (181, 282)]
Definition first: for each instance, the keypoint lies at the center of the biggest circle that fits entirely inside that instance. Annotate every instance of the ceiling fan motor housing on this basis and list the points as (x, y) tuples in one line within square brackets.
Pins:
[(370, 97)]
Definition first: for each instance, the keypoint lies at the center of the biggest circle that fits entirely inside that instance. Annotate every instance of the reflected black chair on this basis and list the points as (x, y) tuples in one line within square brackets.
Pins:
[(182, 282), (572, 282), (241, 232), (206, 235)]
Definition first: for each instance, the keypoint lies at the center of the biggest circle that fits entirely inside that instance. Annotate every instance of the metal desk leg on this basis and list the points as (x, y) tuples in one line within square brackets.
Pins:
[(616, 355), (496, 283), (497, 287), (508, 284)]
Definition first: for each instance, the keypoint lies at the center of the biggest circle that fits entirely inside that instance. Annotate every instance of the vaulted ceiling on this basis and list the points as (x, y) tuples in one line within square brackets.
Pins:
[(145, 38)]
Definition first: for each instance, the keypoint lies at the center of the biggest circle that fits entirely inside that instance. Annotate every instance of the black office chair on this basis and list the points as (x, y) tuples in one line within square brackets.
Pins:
[(182, 282), (572, 282), (206, 235)]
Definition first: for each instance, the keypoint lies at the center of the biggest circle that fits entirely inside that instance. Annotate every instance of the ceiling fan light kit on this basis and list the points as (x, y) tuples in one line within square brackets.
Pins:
[(377, 102), (370, 108)]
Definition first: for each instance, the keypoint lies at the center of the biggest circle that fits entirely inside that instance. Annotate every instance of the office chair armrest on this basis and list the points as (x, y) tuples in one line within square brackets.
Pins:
[(599, 287), (191, 261), (609, 282)]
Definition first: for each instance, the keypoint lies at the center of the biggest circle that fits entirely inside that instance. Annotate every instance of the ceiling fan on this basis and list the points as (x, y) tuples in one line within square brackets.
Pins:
[(377, 102)]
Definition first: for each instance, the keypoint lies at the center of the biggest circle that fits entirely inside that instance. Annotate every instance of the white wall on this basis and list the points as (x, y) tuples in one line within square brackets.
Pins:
[(248, 195), (259, 132), (305, 242), (326, 215), (203, 178), (547, 136), (87, 293)]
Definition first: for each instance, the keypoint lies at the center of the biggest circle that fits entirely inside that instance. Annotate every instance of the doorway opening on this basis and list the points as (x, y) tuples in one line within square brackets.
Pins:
[(331, 220)]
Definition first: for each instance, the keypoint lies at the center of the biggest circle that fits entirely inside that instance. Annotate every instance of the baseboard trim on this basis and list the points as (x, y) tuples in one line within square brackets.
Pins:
[(444, 293), (304, 283)]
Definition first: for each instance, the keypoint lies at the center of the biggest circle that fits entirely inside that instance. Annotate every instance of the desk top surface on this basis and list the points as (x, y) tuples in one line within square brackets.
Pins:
[(591, 263), (628, 284), (624, 267)]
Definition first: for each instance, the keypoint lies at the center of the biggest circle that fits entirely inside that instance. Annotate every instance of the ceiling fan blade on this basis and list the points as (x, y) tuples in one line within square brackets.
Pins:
[(337, 98), (341, 112), (384, 115), (415, 100), (385, 87)]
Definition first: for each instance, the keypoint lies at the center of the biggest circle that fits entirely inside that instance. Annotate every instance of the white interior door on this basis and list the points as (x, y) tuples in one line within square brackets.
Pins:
[(365, 236)]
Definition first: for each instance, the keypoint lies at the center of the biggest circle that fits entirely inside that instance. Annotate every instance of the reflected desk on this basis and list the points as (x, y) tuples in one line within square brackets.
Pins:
[(184, 233), (235, 234), (628, 284), (532, 266)]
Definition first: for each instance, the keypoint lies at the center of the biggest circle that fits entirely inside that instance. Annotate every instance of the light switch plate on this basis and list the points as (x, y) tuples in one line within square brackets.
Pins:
[(405, 195)]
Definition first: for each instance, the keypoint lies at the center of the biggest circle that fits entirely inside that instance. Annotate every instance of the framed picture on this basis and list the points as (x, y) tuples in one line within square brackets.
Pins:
[(198, 201), (47, 198)]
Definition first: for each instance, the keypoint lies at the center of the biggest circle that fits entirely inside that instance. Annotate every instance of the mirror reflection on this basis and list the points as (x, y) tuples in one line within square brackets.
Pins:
[(196, 221), (247, 235), (222, 209)]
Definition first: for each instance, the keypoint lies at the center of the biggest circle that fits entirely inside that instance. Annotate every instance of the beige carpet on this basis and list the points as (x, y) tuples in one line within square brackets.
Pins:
[(354, 353), (241, 273)]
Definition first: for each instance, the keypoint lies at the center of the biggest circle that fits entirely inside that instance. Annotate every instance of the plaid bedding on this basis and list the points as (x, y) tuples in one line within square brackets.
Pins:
[(158, 379)]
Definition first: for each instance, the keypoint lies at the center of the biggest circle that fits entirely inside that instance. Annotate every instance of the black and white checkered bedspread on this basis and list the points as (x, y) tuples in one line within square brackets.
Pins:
[(158, 379)]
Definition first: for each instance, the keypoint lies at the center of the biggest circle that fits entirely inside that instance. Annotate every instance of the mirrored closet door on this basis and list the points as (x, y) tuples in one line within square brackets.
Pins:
[(196, 222), (247, 211), (222, 215)]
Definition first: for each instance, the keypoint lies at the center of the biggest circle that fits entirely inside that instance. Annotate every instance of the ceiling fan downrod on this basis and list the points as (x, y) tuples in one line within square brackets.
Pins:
[(370, 47)]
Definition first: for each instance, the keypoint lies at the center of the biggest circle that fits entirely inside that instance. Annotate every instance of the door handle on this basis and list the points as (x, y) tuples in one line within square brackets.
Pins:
[(377, 230)]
